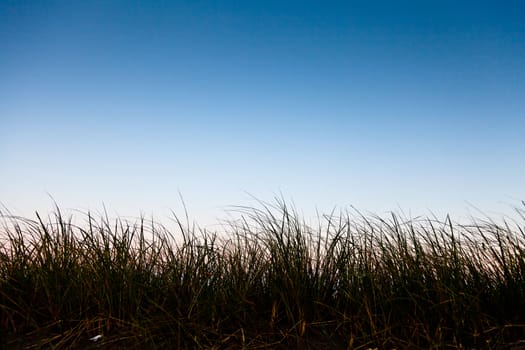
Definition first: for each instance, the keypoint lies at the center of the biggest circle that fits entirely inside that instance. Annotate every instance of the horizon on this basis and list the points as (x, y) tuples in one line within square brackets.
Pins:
[(380, 106)]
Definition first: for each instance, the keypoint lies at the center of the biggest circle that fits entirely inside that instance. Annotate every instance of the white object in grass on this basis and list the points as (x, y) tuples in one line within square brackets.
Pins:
[(96, 338)]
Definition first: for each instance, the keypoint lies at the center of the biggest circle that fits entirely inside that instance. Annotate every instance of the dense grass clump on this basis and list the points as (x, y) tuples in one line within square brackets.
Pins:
[(267, 281)]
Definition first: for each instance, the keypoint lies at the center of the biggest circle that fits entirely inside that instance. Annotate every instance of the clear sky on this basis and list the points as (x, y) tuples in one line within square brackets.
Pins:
[(418, 105)]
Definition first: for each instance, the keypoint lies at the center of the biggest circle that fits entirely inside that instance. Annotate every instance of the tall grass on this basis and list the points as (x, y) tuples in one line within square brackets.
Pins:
[(268, 281)]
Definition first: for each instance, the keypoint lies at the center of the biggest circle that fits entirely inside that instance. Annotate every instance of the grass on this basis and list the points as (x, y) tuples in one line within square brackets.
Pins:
[(267, 281)]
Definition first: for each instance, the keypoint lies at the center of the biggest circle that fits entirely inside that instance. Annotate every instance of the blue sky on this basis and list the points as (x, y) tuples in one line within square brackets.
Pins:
[(377, 104)]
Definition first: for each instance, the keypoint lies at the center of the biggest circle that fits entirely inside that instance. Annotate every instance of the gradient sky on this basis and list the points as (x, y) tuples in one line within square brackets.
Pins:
[(418, 105)]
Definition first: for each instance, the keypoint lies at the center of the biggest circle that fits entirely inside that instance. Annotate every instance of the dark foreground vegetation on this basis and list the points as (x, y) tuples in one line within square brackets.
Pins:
[(267, 281)]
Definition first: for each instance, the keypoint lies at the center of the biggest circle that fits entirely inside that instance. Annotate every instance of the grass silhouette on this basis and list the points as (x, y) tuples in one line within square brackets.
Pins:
[(268, 281)]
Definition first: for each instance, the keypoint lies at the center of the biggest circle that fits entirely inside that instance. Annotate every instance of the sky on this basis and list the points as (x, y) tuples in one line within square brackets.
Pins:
[(416, 106)]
